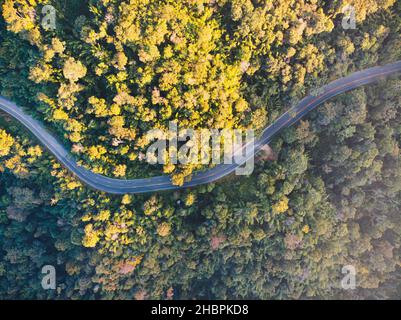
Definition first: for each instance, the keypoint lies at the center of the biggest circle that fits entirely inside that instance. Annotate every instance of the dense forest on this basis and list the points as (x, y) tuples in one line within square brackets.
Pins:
[(112, 70)]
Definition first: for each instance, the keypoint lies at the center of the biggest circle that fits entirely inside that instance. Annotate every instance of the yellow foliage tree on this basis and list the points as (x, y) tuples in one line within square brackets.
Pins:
[(6, 142), (164, 229), (281, 206), (91, 237)]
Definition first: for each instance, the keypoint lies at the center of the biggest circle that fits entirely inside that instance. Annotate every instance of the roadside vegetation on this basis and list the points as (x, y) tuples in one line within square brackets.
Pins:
[(112, 70)]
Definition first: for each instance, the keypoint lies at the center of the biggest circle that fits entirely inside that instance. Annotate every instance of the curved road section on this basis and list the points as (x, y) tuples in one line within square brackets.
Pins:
[(163, 183)]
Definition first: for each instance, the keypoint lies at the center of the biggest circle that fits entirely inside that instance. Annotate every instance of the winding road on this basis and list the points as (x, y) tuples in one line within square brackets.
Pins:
[(162, 183)]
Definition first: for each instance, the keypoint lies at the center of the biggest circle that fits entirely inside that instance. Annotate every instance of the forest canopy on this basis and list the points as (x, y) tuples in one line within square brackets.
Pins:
[(112, 70)]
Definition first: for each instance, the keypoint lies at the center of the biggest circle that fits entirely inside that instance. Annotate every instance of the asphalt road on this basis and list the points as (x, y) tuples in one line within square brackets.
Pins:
[(162, 183)]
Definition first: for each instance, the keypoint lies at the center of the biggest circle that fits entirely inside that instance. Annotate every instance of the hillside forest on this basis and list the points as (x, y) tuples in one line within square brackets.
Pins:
[(111, 70)]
